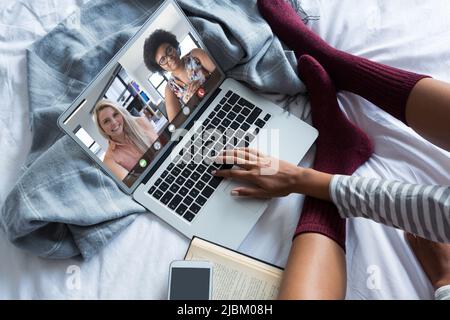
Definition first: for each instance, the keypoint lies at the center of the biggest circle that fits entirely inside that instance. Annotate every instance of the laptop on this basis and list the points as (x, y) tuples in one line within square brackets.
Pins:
[(158, 114)]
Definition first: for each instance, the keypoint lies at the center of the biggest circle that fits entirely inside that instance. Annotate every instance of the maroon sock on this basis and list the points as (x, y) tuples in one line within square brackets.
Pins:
[(385, 86), (341, 149)]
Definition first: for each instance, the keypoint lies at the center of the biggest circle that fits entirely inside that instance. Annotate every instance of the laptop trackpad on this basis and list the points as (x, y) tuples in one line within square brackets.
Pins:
[(247, 202)]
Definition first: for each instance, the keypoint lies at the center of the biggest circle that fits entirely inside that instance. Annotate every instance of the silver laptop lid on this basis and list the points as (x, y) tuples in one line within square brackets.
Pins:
[(156, 85)]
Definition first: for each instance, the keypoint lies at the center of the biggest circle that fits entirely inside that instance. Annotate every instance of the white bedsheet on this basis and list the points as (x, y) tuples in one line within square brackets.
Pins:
[(405, 33)]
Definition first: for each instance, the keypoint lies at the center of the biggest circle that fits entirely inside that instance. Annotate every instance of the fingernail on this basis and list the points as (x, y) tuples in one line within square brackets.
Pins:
[(234, 193), (213, 172)]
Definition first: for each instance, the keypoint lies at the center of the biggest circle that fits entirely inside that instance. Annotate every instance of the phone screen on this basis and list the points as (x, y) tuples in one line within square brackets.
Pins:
[(190, 284)]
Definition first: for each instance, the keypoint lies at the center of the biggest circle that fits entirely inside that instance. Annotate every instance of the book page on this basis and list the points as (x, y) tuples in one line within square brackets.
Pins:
[(233, 279)]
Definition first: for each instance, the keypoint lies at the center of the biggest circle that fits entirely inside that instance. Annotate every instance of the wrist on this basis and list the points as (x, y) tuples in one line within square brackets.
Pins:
[(300, 180), (313, 183)]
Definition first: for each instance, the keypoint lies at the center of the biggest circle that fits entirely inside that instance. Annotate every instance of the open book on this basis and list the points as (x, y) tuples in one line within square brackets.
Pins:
[(235, 275)]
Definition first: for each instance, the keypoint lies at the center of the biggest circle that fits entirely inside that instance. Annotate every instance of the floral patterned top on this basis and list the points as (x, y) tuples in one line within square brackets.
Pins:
[(195, 72)]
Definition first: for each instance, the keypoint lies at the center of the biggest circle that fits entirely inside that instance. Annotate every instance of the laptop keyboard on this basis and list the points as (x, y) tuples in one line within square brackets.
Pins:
[(187, 183)]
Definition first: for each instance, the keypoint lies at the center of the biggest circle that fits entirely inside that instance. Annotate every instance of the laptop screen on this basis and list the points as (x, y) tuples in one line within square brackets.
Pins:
[(127, 116)]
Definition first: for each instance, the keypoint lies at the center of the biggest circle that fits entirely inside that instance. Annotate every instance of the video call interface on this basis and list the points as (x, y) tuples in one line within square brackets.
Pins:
[(129, 117)]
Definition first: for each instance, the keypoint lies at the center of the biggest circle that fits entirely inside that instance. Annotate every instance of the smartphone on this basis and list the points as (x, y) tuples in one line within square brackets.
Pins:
[(190, 280)]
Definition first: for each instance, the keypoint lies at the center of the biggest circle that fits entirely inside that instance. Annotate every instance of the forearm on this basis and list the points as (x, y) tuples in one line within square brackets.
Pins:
[(421, 210), (418, 209)]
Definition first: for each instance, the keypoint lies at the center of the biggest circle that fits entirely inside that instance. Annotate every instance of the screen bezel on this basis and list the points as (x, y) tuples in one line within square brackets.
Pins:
[(191, 264), (167, 149)]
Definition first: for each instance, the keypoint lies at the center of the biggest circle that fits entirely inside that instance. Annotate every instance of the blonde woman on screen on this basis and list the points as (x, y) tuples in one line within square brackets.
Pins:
[(128, 137)]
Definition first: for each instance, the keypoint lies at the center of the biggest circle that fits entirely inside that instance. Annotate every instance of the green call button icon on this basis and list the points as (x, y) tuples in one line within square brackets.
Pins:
[(142, 163)]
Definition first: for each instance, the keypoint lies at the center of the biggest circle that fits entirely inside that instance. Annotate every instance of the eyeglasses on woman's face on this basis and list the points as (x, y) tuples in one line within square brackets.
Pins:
[(170, 52)]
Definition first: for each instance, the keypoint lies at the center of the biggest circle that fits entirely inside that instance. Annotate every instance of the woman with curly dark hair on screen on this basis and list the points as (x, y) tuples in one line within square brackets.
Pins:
[(187, 73)]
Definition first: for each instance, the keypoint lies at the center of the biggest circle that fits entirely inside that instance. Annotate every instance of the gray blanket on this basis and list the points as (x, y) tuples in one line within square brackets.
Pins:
[(63, 205)]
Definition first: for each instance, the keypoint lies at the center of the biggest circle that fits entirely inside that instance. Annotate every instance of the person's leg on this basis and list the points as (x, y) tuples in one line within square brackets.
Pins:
[(428, 111), (433, 257), (341, 148), (398, 92), (385, 86), (316, 267)]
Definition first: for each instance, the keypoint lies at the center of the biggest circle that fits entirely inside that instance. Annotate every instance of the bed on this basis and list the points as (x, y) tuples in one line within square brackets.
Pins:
[(407, 34)]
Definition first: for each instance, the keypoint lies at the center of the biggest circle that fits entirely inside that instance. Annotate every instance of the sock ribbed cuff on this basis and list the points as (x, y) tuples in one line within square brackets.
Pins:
[(319, 216), (387, 87)]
